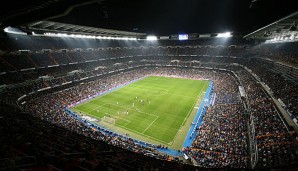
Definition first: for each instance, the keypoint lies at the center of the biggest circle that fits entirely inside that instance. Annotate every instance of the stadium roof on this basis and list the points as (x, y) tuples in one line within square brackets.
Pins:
[(283, 29), (55, 27), (35, 15)]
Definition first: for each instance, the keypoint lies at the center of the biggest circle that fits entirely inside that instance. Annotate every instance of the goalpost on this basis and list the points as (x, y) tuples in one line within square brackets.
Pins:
[(109, 120)]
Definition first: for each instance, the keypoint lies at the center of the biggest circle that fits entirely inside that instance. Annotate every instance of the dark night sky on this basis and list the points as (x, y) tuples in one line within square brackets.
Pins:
[(165, 17)]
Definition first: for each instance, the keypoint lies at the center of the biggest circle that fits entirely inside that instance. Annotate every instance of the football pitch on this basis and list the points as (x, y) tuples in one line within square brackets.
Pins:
[(155, 109)]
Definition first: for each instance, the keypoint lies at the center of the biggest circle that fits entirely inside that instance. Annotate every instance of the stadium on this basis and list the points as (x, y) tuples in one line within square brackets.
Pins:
[(80, 95)]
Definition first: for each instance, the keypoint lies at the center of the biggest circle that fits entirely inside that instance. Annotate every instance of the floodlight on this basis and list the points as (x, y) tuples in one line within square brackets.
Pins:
[(226, 34), (88, 36), (151, 38), (183, 36), (13, 30)]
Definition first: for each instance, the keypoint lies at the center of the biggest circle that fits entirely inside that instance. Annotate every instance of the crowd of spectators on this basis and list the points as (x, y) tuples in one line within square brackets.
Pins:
[(282, 52), (21, 66), (50, 108), (222, 138), (276, 146), (29, 143), (227, 149), (286, 89)]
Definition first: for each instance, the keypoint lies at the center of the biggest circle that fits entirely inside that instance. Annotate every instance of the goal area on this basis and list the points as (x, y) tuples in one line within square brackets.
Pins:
[(109, 120)]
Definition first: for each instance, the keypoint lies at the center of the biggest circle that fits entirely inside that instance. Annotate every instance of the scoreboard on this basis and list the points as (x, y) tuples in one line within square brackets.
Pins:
[(183, 36)]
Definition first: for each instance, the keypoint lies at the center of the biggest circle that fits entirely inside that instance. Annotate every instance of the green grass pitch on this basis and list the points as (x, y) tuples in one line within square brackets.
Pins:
[(154, 109)]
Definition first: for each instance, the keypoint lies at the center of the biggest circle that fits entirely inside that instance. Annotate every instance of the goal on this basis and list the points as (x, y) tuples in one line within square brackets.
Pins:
[(109, 120)]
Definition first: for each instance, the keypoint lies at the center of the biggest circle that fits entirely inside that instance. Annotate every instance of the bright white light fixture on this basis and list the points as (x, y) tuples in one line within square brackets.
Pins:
[(151, 38), (88, 36), (14, 31), (226, 34)]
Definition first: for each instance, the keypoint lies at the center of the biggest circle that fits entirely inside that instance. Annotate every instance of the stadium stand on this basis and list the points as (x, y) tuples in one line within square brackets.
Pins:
[(40, 82)]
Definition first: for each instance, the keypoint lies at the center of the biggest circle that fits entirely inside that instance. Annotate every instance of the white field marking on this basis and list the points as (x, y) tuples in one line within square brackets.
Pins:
[(137, 132), (96, 97), (93, 109), (125, 108), (101, 95), (151, 124), (141, 133), (184, 96), (98, 106), (90, 104), (90, 114), (188, 113), (139, 111), (136, 110), (117, 116), (126, 124), (128, 121), (90, 100)]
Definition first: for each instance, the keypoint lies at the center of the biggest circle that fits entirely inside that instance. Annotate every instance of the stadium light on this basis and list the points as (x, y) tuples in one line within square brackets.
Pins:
[(151, 38), (281, 39), (12, 30), (88, 36), (226, 34), (183, 36)]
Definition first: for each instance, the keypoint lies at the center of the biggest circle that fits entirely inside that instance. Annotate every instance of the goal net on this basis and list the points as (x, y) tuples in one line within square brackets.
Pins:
[(109, 120)]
